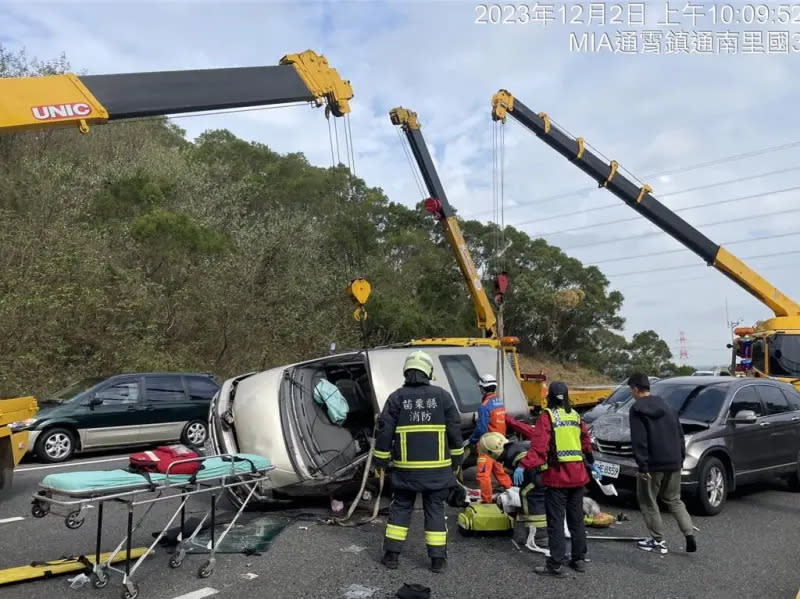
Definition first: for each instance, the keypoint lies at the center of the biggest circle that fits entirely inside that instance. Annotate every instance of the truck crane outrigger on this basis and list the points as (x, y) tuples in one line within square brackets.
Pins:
[(769, 348), (534, 386)]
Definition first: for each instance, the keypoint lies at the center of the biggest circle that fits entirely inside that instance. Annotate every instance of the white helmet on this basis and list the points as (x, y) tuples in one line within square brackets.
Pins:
[(487, 383)]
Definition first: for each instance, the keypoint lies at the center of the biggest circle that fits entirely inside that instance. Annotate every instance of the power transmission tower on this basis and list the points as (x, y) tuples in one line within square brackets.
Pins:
[(684, 352)]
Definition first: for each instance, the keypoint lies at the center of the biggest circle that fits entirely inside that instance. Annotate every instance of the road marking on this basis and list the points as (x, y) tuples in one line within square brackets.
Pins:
[(204, 592), (7, 520), (70, 464)]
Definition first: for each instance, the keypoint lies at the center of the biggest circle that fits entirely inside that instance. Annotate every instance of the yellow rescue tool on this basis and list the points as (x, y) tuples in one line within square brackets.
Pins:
[(38, 570)]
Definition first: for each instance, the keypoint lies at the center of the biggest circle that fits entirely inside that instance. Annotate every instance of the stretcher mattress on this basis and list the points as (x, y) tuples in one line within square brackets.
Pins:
[(99, 482)]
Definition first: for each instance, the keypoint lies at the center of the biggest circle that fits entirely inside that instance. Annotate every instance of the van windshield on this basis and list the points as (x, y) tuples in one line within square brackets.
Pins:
[(701, 403), (74, 390)]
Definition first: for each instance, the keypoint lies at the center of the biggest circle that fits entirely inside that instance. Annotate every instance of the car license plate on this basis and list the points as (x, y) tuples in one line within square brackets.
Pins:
[(609, 470)]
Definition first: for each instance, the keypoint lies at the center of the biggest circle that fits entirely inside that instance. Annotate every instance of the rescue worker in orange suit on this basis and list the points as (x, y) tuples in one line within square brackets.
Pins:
[(561, 441), (419, 430), (491, 419)]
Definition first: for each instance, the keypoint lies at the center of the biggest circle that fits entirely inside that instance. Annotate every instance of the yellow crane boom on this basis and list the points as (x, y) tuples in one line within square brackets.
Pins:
[(71, 100)]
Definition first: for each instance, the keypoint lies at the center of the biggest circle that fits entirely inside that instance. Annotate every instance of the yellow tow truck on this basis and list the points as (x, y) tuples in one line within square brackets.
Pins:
[(13, 444), (534, 386), (770, 348)]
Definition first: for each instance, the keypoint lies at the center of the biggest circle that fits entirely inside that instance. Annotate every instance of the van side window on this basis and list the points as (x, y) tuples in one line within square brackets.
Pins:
[(774, 399), (793, 397), (201, 388), (124, 392), (463, 379), (164, 388), (746, 399)]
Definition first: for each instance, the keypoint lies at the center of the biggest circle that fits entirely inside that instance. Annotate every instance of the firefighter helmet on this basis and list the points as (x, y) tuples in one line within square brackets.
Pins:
[(419, 360), (492, 444), (487, 383)]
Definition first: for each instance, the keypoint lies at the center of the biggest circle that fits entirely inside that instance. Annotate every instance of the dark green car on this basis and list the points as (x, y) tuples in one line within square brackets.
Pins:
[(122, 410)]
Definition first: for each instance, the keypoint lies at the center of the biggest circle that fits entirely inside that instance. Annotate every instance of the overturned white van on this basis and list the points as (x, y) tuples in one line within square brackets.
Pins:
[(274, 413)]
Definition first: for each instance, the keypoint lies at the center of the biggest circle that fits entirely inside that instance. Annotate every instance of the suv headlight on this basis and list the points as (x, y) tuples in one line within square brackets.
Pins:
[(21, 425)]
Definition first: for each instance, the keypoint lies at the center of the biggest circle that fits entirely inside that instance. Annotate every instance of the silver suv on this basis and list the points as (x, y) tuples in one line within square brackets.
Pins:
[(737, 430)]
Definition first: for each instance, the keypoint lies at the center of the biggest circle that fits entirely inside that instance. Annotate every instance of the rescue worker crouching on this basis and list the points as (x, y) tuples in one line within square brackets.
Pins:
[(531, 495), (491, 419), (562, 441), (419, 430)]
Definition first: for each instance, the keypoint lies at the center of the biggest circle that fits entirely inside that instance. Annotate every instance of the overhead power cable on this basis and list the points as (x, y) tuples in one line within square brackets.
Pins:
[(665, 195), (637, 217), (692, 167), (681, 266), (664, 252), (653, 233)]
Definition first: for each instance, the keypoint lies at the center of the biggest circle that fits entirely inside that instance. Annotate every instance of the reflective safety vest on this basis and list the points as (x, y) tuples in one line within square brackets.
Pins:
[(566, 434)]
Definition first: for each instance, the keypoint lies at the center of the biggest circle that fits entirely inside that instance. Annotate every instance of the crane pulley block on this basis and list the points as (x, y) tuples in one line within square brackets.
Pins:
[(434, 206), (359, 290)]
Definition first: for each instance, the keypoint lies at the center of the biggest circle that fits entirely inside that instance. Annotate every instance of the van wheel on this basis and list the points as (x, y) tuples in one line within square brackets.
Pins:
[(195, 433), (55, 445), (712, 489)]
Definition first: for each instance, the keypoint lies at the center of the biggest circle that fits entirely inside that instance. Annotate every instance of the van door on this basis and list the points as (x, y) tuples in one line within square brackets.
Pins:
[(781, 429), (165, 408), (116, 419), (462, 377), (749, 443)]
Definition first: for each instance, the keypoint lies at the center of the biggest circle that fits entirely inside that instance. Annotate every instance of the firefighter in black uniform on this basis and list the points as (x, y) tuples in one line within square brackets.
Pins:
[(420, 432)]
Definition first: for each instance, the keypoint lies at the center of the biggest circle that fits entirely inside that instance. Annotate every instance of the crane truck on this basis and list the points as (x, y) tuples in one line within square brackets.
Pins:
[(534, 385), (68, 100), (770, 348)]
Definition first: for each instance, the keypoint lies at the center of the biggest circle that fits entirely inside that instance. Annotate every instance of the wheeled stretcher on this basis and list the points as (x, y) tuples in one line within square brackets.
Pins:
[(81, 491)]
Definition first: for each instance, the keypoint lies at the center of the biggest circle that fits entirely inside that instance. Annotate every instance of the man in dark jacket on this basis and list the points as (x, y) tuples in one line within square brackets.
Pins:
[(419, 430), (659, 450)]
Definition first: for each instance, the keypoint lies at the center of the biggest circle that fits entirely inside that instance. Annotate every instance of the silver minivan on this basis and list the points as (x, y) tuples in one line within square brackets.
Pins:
[(274, 414)]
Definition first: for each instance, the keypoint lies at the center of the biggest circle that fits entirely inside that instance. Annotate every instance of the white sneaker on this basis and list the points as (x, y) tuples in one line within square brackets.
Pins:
[(653, 546)]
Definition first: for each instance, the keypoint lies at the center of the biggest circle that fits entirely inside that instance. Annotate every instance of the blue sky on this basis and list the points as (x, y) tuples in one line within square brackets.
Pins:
[(653, 112)]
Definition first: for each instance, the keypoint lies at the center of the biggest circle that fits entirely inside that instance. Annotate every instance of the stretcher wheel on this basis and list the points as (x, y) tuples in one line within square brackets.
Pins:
[(175, 562), (205, 570), (126, 594), (73, 520), (99, 581), (38, 510)]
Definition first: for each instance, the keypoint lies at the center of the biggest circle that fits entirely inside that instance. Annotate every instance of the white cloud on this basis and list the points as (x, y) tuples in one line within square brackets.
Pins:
[(652, 113)]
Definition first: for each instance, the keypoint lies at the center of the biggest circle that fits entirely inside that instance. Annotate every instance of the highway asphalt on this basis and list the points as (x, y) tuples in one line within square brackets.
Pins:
[(749, 550)]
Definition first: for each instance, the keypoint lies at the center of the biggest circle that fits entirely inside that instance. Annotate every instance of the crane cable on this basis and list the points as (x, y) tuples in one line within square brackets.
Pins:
[(497, 252)]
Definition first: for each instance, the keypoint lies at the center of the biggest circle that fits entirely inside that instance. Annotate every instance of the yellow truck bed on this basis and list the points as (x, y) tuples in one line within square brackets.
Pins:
[(587, 396)]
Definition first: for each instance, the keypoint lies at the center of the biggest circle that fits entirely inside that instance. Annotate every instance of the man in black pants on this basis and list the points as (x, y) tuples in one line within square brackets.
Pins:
[(561, 441), (659, 450)]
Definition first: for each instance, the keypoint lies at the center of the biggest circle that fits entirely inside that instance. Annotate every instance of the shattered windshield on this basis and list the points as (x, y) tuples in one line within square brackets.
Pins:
[(784, 356)]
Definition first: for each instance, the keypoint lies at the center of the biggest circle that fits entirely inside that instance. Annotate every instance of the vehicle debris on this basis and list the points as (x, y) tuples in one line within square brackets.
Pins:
[(357, 591)]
